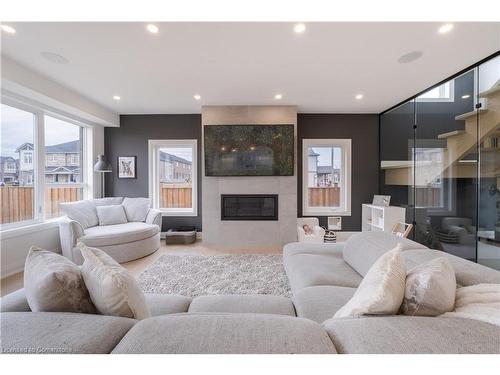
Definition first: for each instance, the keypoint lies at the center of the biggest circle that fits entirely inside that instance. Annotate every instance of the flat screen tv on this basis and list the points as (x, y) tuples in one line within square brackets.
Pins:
[(249, 150)]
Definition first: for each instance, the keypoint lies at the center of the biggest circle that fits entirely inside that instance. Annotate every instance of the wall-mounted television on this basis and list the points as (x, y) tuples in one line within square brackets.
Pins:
[(249, 150)]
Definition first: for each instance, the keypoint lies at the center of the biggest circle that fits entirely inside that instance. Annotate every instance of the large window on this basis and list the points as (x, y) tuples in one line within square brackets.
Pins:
[(326, 176), (442, 93), (43, 163), (172, 176)]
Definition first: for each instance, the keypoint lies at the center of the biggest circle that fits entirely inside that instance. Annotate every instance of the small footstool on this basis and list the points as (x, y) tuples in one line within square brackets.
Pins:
[(176, 237)]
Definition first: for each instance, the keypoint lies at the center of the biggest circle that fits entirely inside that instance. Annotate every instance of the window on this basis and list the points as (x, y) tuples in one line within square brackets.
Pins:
[(326, 176), (17, 195), (38, 178), (443, 93), (173, 192)]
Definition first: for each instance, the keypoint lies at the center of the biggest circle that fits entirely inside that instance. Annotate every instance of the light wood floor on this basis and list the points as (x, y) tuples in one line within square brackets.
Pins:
[(15, 282)]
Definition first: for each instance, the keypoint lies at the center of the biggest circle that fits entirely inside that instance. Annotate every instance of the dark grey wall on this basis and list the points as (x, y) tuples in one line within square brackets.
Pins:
[(131, 139), (363, 130)]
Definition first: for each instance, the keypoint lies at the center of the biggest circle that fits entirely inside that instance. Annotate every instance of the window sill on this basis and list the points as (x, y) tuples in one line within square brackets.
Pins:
[(179, 213), (28, 229), (327, 213)]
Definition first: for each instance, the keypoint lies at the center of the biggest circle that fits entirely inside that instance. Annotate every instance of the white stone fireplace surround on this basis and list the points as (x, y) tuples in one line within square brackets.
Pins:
[(248, 234)]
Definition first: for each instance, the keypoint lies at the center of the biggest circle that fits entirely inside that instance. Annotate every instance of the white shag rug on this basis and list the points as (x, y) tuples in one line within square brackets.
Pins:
[(194, 275)]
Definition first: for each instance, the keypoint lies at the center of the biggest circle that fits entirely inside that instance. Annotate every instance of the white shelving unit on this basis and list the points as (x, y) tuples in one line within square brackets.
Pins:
[(381, 218)]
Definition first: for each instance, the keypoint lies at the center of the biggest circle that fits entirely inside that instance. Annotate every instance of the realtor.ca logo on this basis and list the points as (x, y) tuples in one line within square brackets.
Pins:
[(37, 350)]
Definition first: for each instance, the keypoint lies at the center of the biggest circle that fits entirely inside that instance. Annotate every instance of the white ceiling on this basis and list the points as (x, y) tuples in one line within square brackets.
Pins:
[(248, 63)]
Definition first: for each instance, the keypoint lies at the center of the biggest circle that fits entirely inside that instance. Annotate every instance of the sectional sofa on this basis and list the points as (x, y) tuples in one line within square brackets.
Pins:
[(323, 277)]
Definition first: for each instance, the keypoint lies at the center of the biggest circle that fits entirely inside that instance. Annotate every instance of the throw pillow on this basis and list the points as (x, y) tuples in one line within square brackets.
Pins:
[(136, 209), (382, 290), (430, 289), (82, 211), (54, 283), (109, 215), (113, 290)]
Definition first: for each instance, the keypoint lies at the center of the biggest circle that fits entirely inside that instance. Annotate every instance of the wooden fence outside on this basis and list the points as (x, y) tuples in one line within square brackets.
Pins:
[(176, 196), (324, 196)]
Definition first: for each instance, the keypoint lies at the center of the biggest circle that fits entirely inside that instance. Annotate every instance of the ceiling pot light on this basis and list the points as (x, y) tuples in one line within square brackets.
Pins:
[(447, 27), (116, 97), (467, 96), (54, 58), (153, 29), (8, 29), (278, 96), (299, 28), (197, 97), (359, 96), (410, 57)]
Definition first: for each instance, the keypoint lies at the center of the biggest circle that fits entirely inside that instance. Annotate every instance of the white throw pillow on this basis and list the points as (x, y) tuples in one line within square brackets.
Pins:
[(381, 291), (82, 211), (430, 289), (54, 283), (113, 290), (110, 215), (136, 209)]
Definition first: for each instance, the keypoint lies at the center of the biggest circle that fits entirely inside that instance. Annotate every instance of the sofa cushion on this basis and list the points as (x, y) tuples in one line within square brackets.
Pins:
[(320, 265), (412, 334), (112, 288), (363, 249), (320, 303), (161, 304), (466, 272), (44, 332), (15, 301), (220, 333), (136, 208), (382, 289), (82, 211), (254, 304), (430, 289), (109, 235), (108, 201), (110, 215), (54, 283)]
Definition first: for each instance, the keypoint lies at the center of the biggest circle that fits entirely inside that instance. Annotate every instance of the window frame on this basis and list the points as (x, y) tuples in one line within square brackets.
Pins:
[(346, 174), (39, 112), (154, 146), (445, 99)]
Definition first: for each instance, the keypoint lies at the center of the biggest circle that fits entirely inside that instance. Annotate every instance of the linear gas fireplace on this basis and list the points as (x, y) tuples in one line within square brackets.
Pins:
[(249, 207)]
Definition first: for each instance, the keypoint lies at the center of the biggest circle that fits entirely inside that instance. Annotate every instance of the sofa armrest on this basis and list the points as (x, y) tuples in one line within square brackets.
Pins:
[(154, 217), (69, 232), (15, 302)]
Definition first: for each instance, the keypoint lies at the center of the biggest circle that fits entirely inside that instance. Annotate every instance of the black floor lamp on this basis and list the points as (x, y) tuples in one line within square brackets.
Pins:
[(102, 166)]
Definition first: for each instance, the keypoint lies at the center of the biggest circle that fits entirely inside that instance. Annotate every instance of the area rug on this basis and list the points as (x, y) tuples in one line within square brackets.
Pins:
[(194, 275)]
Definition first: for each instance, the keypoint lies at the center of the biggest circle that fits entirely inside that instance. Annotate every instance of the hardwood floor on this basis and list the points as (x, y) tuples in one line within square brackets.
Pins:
[(15, 282)]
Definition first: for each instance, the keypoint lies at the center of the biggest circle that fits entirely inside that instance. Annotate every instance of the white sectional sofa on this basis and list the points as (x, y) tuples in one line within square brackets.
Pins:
[(323, 278), (137, 237)]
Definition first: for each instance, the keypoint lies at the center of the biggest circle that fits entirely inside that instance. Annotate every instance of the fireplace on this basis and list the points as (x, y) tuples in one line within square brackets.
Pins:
[(249, 207)]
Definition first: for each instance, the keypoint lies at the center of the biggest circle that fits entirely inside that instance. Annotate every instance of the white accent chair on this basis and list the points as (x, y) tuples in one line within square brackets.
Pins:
[(318, 235), (124, 242)]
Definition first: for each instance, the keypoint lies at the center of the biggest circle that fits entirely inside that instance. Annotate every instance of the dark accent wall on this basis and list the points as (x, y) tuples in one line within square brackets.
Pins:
[(131, 139), (363, 129)]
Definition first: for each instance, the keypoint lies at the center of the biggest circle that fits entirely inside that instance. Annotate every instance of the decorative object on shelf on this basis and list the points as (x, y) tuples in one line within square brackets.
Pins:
[(402, 229), (102, 166), (335, 222), (330, 236), (127, 166), (381, 200)]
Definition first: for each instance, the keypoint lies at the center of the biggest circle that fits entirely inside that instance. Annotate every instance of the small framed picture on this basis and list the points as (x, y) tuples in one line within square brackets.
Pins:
[(335, 222), (127, 166), (381, 200)]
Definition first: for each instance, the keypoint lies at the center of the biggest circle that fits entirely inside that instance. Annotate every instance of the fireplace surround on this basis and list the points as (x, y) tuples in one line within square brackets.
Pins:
[(249, 207)]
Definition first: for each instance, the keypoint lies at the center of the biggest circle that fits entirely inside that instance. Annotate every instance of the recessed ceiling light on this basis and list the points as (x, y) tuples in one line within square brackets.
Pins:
[(116, 97), (278, 96), (153, 29), (54, 57), (197, 97), (299, 28), (8, 29), (359, 96), (410, 57), (447, 27), (467, 96)]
